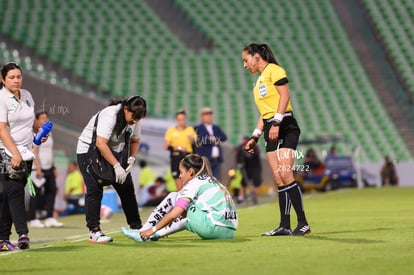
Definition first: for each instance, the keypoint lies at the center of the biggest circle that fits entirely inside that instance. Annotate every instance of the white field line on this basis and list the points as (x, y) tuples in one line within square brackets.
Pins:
[(79, 238)]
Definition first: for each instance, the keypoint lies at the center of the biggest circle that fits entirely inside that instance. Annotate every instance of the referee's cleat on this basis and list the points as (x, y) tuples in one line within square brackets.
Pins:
[(280, 231), (301, 230)]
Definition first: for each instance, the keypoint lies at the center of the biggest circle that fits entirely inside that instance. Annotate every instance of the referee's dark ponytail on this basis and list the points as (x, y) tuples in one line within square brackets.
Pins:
[(4, 70), (263, 50)]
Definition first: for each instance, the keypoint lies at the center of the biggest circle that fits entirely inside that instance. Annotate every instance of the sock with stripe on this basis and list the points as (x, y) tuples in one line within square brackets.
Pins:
[(295, 195), (284, 207)]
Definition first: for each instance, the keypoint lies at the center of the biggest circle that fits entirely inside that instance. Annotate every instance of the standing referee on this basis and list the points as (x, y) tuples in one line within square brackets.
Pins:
[(281, 133)]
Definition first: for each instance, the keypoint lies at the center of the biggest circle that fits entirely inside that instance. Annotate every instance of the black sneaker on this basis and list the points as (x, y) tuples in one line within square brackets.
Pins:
[(280, 231), (23, 242), (301, 230)]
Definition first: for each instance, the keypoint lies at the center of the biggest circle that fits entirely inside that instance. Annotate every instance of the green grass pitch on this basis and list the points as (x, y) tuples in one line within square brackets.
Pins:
[(368, 231)]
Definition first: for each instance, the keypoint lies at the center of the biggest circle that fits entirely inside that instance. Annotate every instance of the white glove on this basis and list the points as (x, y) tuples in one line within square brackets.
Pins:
[(131, 161), (120, 174)]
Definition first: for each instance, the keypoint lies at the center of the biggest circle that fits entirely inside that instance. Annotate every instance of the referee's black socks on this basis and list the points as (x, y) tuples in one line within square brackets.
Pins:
[(284, 207), (295, 195)]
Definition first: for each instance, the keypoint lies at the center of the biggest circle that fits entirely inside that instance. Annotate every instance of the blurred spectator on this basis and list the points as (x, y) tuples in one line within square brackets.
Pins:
[(153, 194), (209, 139), (389, 173), (146, 174), (312, 162), (170, 182), (332, 153), (45, 169), (179, 141), (251, 168), (74, 189), (235, 184)]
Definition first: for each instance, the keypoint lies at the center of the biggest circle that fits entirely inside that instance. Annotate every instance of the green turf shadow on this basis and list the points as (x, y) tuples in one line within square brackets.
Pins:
[(356, 231), (343, 240)]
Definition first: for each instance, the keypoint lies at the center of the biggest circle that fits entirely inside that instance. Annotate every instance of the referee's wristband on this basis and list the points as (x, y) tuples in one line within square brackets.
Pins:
[(278, 116), (257, 133), (256, 139)]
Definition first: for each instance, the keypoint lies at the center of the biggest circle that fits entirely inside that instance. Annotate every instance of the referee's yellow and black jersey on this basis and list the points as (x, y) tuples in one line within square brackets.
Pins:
[(265, 94)]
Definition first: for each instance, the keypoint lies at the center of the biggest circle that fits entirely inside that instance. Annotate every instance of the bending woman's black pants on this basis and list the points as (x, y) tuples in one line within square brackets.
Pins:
[(94, 193)]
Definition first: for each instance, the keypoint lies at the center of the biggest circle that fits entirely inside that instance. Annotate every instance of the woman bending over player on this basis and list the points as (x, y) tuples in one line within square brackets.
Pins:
[(114, 130), (281, 133), (203, 206)]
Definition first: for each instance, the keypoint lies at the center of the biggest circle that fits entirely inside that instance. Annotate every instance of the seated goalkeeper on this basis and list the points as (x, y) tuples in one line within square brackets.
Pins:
[(203, 206)]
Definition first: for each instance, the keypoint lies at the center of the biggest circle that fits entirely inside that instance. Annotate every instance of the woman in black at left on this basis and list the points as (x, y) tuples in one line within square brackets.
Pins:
[(16, 141)]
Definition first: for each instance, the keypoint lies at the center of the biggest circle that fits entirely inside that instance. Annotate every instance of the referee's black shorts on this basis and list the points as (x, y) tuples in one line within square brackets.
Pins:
[(175, 158), (289, 133)]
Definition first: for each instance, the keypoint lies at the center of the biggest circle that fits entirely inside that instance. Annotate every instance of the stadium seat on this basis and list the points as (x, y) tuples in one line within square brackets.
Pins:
[(394, 21)]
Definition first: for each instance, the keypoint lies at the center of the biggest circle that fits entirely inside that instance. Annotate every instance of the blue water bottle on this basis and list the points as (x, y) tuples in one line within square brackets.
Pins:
[(43, 131)]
